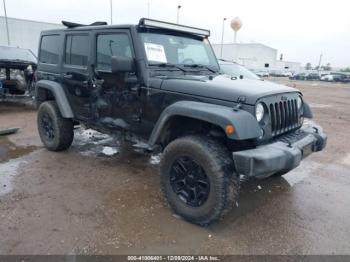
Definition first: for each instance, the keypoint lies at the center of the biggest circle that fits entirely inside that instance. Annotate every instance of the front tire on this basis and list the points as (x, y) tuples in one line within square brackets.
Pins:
[(198, 179), (55, 132)]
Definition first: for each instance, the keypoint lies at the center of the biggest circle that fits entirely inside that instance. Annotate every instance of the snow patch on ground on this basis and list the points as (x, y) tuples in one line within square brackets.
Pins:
[(90, 142), (109, 151), (155, 159), (84, 136)]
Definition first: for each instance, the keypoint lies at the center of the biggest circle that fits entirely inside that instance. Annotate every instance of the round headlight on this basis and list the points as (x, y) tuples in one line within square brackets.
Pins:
[(299, 103), (259, 112)]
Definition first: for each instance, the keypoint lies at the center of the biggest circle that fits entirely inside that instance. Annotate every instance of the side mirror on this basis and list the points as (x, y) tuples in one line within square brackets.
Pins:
[(122, 64)]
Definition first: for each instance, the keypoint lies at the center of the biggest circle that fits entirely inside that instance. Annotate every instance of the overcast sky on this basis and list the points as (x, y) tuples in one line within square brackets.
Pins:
[(300, 29)]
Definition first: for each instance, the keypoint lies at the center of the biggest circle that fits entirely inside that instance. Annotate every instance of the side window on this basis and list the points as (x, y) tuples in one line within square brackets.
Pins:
[(49, 49), (77, 50), (109, 45)]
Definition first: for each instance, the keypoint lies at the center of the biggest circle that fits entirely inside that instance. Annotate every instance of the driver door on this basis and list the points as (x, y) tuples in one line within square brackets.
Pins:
[(119, 96)]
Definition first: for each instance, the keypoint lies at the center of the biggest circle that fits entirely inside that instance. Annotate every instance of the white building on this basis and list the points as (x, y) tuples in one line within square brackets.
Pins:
[(254, 56), (288, 65), (23, 33)]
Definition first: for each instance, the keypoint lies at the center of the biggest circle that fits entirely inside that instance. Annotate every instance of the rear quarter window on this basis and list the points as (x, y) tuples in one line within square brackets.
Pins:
[(49, 49)]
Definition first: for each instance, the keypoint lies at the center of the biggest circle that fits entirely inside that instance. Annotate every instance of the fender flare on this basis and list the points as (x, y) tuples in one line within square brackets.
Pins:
[(60, 97), (245, 124)]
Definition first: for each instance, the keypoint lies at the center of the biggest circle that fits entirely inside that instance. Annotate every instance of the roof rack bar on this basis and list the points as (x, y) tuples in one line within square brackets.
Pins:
[(145, 22)]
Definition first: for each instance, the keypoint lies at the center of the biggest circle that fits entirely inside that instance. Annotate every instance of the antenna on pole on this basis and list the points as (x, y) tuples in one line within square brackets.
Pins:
[(111, 5), (7, 25)]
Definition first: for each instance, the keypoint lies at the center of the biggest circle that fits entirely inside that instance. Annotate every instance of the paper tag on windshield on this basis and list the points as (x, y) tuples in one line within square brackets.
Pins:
[(155, 53)]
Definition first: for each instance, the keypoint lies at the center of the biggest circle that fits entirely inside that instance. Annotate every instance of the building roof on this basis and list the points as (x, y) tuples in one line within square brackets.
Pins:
[(245, 44)]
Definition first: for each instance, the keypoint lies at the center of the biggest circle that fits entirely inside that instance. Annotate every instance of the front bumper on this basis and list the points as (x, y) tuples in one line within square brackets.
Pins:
[(282, 155)]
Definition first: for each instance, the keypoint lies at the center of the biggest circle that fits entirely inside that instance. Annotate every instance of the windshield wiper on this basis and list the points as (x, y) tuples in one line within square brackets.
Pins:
[(201, 66), (168, 65)]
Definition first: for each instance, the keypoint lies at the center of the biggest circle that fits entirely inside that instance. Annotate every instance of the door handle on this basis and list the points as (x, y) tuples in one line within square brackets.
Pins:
[(135, 90), (68, 76), (85, 83)]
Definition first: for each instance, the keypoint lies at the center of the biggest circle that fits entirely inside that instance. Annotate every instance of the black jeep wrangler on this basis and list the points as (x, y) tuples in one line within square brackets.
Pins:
[(161, 82)]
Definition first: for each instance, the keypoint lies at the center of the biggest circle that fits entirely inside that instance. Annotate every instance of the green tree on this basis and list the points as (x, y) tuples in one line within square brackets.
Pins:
[(347, 69), (327, 67), (308, 66)]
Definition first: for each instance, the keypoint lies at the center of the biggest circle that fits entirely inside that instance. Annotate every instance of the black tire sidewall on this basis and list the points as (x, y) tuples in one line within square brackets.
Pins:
[(63, 128), (46, 108), (215, 203)]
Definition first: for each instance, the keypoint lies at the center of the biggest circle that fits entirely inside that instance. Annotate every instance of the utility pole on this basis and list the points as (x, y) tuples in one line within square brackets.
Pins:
[(178, 14), (319, 63), (6, 22), (148, 9), (222, 36), (111, 2)]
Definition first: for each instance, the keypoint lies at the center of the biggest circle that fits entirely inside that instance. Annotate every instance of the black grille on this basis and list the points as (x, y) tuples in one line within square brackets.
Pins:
[(284, 116)]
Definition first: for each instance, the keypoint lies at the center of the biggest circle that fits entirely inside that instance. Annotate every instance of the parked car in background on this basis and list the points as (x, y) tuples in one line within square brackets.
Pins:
[(287, 74), (236, 70), (344, 78), (298, 76), (327, 77), (336, 77), (262, 73), (17, 67), (280, 73), (305, 76), (312, 76)]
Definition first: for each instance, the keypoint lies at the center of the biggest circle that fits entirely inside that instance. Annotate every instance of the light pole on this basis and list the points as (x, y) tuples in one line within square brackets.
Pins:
[(6, 22), (222, 36), (178, 13), (319, 63), (148, 9), (111, 3)]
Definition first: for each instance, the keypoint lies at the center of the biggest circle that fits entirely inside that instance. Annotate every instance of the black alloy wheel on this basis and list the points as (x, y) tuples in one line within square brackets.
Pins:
[(189, 181), (48, 127)]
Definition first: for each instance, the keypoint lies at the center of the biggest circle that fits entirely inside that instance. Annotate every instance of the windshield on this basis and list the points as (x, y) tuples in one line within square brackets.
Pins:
[(13, 53), (236, 70), (178, 50)]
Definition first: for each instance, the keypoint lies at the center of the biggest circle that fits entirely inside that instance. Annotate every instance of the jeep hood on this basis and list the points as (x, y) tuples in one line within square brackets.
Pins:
[(222, 87)]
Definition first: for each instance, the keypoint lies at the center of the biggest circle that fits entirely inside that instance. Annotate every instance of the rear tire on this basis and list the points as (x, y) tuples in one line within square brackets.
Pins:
[(198, 168), (55, 132)]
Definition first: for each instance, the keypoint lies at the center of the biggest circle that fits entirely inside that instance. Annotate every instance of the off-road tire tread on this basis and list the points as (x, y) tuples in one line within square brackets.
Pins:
[(221, 163), (64, 125)]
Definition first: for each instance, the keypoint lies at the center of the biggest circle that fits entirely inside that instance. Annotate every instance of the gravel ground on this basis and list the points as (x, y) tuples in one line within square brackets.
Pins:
[(103, 197)]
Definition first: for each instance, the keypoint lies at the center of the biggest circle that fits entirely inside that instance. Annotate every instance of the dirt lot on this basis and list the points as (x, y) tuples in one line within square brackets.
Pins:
[(85, 202)]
